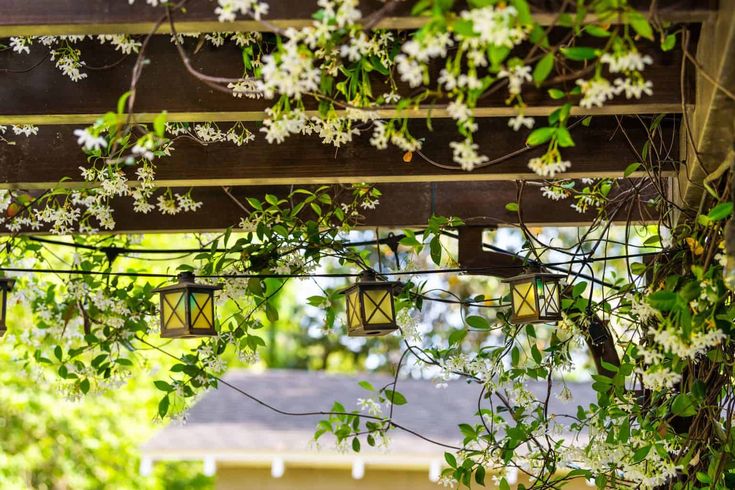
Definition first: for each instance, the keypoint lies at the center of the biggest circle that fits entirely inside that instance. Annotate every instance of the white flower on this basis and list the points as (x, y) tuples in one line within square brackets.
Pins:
[(633, 88), (465, 153), (642, 310), (546, 168), (380, 136), (167, 205), (21, 45), (447, 79), (25, 129), (630, 61), (289, 72), (227, 10), (516, 76), (554, 192), (596, 92), (88, 141), (496, 26), (459, 111), (122, 42), (410, 70), (520, 120), (659, 378)]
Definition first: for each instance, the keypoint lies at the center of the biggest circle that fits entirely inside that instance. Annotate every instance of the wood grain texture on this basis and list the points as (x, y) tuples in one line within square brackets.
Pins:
[(43, 95), (401, 205), (55, 17), (605, 148)]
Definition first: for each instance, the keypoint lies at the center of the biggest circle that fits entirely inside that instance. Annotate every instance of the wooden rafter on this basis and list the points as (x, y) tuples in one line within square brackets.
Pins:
[(42, 95), (64, 17), (604, 149), (401, 205)]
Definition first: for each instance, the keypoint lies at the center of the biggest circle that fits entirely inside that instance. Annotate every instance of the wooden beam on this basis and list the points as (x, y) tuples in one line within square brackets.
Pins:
[(604, 149), (43, 95), (64, 17), (711, 132), (401, 205)]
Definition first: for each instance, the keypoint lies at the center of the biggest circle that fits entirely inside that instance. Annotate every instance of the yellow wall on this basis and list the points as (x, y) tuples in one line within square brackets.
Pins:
[(250, 478)]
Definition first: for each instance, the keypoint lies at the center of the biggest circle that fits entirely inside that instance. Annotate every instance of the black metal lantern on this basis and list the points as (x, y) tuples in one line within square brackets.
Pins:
[(536, 297), (6, 285), (187, 308), (370, 308)]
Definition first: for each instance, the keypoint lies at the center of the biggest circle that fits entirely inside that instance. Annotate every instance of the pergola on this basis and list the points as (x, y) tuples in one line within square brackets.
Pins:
[(33, 92)]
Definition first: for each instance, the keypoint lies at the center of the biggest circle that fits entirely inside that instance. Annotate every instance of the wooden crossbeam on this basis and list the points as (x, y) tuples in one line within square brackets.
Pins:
[(64, 17), (604, 149), (42, 95), (401, 205)]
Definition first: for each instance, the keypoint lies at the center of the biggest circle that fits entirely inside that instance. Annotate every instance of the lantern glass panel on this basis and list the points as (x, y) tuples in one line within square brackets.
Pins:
[(378, 306), (524, 299), (202, 310), (353, 309), (552, 298), (173, 309)]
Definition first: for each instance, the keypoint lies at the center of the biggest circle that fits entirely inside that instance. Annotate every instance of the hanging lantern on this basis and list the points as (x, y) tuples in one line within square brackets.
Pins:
[(187, 308), (536, 297), (6, 285), (370, 308)]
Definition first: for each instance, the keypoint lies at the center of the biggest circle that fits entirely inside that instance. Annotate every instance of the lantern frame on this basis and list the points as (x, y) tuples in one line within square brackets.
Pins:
[(190, 293), (6, 285), (528, 306), (360, 322)]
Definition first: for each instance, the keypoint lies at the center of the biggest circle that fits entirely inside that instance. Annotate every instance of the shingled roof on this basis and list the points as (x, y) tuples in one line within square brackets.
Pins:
[(226, 422)]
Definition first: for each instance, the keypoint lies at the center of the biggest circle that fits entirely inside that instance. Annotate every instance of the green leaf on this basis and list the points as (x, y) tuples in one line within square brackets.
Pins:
[(450, 459), (122, 101), (478, 322), (163, 406), (641, 25), (641, 453), (395, 397), (159, 124), (596, 31), (564, 138), (457, 336), (540, 136), (662, 300), (84, 386), (721, 211), (512, 207), (356, 445), (543, 68), (578, 289), (683, 405), (366, 385), (631, 168), (162, 385), (435, 249), (579, 53), (669, 42), (556, 94), (480, 475), (503, 485)]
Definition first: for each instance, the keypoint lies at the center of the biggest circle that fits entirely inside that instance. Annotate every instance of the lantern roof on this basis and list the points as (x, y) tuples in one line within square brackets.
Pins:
[(7, 283), (529, 275), (186, 281)]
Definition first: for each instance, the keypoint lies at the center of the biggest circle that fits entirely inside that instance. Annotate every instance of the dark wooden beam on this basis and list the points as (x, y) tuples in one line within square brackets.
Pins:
[(43, 95), (401, 205), (60, 17), (605, 148)]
